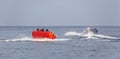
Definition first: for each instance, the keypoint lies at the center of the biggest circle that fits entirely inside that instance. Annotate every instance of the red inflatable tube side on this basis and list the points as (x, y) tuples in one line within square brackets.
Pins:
[(43, 34)]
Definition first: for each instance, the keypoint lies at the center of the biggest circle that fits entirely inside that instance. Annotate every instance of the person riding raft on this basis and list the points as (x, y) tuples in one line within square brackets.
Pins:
[(91, 30), (37, 34)]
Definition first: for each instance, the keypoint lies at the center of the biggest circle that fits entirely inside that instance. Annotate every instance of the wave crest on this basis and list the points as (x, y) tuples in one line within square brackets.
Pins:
[(89, 35), (28, 39)]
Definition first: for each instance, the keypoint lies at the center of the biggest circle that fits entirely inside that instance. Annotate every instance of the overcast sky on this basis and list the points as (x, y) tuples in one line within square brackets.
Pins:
[(59, 12)]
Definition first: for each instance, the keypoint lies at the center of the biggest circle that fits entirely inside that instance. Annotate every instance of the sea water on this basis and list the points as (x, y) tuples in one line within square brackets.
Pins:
[(16, 43)]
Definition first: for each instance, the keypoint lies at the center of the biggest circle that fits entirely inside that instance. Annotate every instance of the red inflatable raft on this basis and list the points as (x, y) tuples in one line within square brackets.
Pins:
[(43, 34)]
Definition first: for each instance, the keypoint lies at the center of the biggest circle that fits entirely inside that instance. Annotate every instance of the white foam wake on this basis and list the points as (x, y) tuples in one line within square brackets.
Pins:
[(28, 39), (72, 34), (89, 35)]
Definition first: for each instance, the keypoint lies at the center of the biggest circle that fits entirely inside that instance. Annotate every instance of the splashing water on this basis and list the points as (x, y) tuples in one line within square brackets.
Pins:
[(89, 35), (72, 33), (28, 39)]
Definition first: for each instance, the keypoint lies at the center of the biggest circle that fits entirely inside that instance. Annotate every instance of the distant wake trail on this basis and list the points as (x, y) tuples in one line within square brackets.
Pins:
[(89, 35), (71, 34), (28, 39)]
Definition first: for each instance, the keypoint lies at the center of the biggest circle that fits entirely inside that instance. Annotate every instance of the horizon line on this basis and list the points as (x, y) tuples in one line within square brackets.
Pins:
[(61, 25)]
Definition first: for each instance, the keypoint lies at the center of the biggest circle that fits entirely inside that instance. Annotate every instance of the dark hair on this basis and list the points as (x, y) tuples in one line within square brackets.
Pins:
[(38, 29), (42, 30), (47, 30)]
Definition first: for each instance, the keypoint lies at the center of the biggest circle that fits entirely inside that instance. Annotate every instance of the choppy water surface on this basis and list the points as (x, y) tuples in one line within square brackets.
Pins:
[(16, 43)]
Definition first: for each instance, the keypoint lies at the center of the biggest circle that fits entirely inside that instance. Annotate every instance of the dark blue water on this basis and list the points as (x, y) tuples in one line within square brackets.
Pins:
[(73, 48)]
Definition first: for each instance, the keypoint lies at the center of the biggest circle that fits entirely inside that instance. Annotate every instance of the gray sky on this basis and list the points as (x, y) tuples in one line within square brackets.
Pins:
[(59, 12)]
